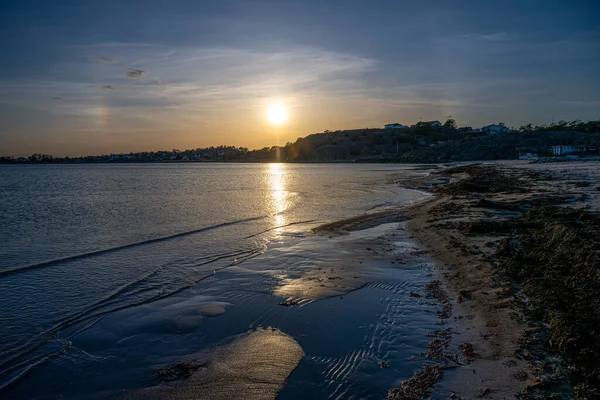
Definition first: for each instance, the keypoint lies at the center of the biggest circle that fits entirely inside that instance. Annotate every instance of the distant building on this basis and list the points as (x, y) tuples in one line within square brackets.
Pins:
[(395, 125), (427, 124), (564, 149), (528, 153), (494, 129)]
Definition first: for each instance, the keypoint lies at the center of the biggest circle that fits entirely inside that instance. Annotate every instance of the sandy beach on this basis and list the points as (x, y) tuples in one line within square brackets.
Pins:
[(465, 227)]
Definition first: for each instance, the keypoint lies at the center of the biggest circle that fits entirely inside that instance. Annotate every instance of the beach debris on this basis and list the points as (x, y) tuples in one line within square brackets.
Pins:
[(483, 179), (418, 386), (459, 299), (483, 392), (520, 375), (445, 333), (382, 364), (435, 349), (288, 303), (467, 351), (414, 294), (178, 371)]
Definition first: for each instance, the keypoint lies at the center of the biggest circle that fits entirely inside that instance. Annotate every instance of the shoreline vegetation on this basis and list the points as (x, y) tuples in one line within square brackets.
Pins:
[(421, 143), (519, 257)]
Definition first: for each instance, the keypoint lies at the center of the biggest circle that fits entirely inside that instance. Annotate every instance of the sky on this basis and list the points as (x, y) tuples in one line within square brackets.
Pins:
[(81, 77)]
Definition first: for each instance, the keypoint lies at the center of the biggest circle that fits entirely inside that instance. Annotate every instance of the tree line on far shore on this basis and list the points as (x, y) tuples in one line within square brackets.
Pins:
[(419, 143)]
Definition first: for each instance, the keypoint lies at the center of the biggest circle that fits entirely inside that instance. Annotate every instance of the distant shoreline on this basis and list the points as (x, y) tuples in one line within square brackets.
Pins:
[(543, 160), (417, 144)]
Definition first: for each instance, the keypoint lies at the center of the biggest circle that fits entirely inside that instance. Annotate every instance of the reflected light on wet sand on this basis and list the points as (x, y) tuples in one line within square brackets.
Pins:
[(279, 195)]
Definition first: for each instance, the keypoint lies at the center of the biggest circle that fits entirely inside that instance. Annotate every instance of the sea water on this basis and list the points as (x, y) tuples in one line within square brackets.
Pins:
[(99, 263)]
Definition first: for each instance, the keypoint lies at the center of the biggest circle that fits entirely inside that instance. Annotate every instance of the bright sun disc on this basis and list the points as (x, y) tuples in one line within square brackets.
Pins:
[(277, 114)]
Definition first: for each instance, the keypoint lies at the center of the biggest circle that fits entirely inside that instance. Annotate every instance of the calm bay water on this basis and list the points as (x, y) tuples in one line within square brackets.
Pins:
[(83, 243)]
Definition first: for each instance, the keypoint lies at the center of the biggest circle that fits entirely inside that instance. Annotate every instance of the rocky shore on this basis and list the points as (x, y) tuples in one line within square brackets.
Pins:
[(518, 253)]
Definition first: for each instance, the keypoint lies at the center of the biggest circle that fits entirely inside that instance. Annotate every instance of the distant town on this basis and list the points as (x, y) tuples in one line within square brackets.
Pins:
[(425, 141)]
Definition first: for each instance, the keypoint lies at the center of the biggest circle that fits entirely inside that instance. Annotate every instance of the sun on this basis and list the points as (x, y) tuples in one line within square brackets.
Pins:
[(277, 114)]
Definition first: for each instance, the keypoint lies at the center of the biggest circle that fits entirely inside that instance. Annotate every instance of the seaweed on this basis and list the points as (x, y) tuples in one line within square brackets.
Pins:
[(482, 179), (555, 255), (434, 290), (418, 386), (178, 371), (468, 353)]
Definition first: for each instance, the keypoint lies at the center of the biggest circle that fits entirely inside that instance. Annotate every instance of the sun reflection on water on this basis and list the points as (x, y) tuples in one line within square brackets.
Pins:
[(279, 194)]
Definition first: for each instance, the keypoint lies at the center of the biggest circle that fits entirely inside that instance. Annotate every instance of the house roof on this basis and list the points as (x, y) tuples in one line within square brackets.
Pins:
[(574, 145), (431, 122)]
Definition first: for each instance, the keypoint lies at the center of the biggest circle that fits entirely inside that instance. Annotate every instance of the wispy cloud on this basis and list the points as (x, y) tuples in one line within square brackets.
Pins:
[(495, 37), (136, 73), (583, 103), (212, 90), (197, 86), (102, 59)]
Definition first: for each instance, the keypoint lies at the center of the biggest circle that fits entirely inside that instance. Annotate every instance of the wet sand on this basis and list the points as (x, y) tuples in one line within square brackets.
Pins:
[(347, 325), (254, 366)]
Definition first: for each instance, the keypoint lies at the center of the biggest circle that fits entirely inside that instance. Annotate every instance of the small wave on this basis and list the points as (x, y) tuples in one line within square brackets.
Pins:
[(48, 263), (376, 206), (96, 311), (279, 227), (363, 221)]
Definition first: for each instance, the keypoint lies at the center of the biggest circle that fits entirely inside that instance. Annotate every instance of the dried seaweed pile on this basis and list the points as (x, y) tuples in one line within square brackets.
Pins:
[(555, 255)]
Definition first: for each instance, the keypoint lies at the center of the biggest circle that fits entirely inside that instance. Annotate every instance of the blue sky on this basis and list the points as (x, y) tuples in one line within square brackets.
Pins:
[(89, 77)]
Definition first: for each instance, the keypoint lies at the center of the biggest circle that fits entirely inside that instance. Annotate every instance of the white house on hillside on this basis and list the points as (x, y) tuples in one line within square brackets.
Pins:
[(395, 125), (432, 123), (494, 129), (562, 150)]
